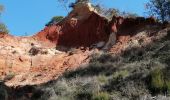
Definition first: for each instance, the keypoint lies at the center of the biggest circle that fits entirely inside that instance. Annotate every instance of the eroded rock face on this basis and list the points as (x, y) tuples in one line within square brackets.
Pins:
[(82, 27)]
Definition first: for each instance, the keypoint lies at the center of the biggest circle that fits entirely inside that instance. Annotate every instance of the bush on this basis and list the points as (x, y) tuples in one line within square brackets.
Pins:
[(9, 76), (159, 8), (157, 80), (123, 74), (102, 79), (34, 51), (3, 28), (160, 81), (55, 20), (101, 96)]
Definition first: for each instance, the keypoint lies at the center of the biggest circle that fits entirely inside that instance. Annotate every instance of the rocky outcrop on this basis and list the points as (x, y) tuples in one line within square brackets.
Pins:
[(82, 27)]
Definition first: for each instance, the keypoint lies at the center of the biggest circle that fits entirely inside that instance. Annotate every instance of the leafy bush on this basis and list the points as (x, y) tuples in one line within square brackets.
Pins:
[(159, 8), (55, 20), (157, 80), (123, 74), (102, 79), (160, 81), (3, 28), (9, 76)]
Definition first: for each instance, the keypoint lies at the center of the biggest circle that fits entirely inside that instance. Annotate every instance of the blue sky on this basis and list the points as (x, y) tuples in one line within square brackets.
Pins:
[(27, 17)]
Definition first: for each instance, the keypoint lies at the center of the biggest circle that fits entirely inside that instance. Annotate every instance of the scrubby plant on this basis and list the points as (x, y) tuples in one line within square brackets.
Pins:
[(55, 20), (102, 79), (157, 80), (9, 76), (34, 51), (3, 28), (167, 80), (160, 81), (101, 96), (159, 8), (122, 73)]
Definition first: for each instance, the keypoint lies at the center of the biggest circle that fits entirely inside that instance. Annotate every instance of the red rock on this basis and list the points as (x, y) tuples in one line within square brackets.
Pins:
[(77, 33)]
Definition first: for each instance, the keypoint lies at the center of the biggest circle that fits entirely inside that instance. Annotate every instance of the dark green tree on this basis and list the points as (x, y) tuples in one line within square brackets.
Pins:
[(159, 8), (55, 20), (3, 28)]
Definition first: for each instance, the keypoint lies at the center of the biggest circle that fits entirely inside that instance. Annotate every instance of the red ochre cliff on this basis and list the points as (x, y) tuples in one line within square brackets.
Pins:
[(78, 29), (84, 27)]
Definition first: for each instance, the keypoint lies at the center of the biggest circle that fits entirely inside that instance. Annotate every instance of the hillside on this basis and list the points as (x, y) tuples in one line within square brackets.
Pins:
[(65, 61)]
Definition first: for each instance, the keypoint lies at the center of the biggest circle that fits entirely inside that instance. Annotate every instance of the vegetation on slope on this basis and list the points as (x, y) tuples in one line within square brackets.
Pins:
[(55, 20), (135, 74), (3, 28)]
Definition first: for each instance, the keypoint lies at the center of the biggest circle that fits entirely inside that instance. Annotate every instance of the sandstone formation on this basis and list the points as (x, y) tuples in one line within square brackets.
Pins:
[(82, 27)]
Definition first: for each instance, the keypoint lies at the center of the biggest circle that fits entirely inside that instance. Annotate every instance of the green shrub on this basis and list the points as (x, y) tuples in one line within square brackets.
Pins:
[(157, 79), (101, 96), (9, 76), (54, 20), (123, 74), (160, 82), (102, 79), (168, 86), (3, 28)]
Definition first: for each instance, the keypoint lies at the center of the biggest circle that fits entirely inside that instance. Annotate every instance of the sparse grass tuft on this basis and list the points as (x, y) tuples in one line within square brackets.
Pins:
[(101, 96), (9, 76), (160, 81), (157, 80), (122, 73), (102, 79)]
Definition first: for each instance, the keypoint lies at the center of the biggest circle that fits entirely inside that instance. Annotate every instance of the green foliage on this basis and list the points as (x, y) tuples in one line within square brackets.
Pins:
[(102, 79), (159, 8), (9, 76), (118, 76), (157, 79), (122, 73), (160, 81), (55, 20), (101, 96), (3, 28), (168, 86)]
